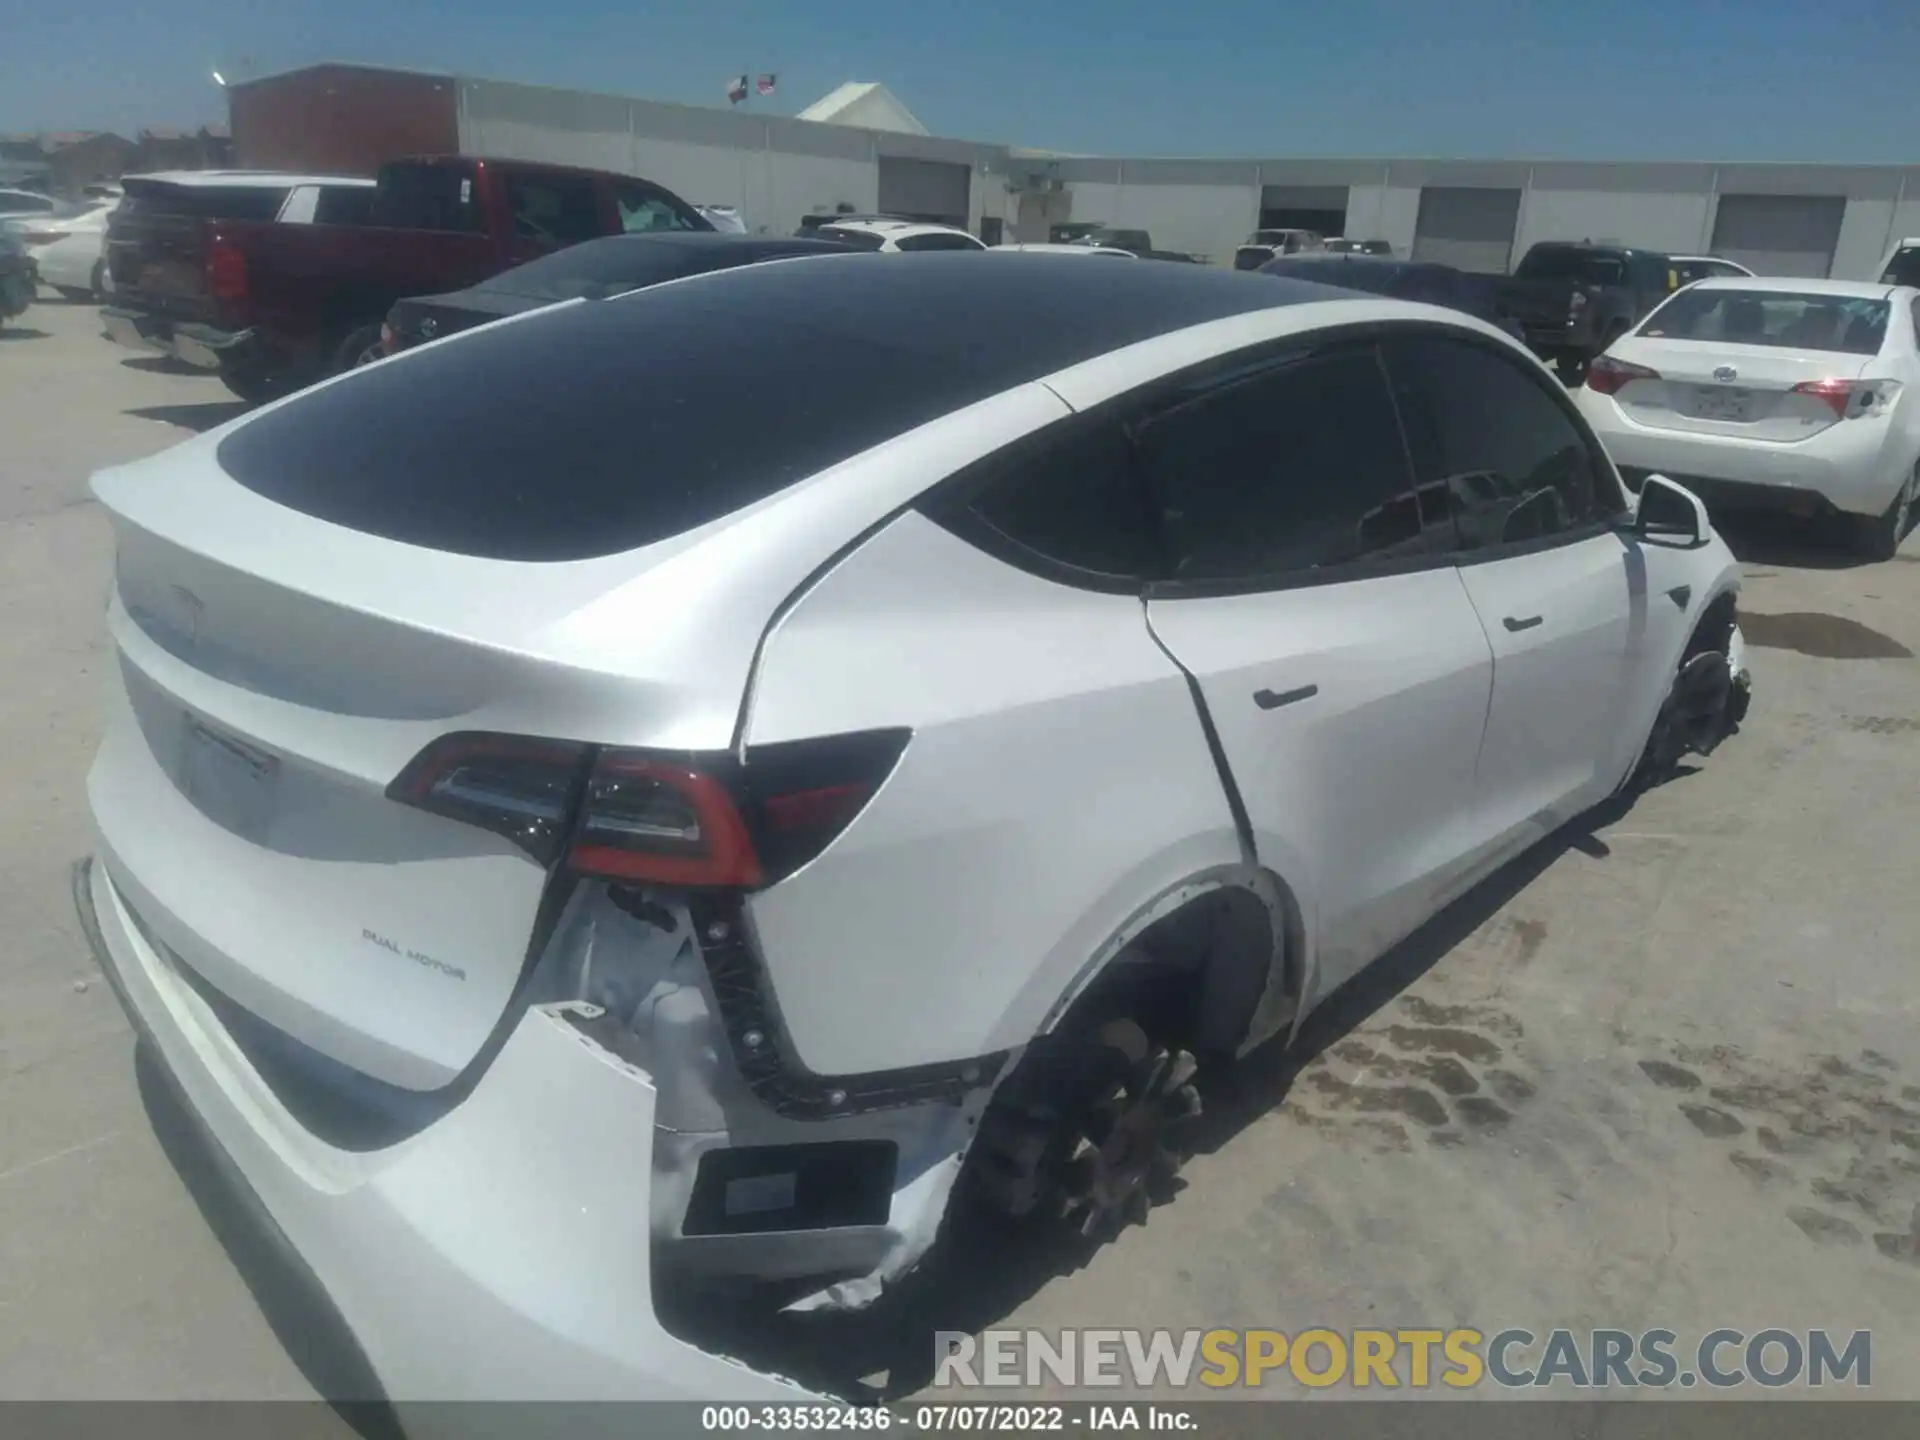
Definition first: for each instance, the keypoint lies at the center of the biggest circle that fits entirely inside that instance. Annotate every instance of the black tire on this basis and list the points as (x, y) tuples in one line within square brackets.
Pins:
[(358, 345), (1088, 1129), (99, 281), (255, 386), (1879, 538), (1570, 366)]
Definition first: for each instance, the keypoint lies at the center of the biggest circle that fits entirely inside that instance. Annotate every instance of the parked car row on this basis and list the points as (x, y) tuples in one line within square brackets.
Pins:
[(752, 763)]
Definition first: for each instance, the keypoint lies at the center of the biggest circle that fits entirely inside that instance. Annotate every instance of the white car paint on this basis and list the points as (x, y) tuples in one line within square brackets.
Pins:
[(902, 235), (1388, 737), (1035, 247), (1664, 415), (67, 248)]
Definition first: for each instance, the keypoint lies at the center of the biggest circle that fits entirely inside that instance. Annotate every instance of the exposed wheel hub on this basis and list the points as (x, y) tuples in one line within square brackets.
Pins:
[(1129, 1141)]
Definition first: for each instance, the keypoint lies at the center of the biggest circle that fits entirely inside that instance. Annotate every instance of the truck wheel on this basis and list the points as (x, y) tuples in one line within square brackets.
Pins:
[(1086, 1129), (360, 345), (98, 282), (1879, 537), (254, 386), (1570, 366)]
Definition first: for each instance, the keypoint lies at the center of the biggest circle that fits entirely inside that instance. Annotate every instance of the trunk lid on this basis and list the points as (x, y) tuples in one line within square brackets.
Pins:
[(1717, 388), (277, 673)]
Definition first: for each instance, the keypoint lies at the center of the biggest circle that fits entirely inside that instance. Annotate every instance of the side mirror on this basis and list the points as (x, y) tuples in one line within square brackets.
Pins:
[(1670, 514)]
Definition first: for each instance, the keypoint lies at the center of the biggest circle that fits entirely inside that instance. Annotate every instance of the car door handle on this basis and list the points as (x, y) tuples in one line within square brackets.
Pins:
[(1523, 622), (1269, 700)]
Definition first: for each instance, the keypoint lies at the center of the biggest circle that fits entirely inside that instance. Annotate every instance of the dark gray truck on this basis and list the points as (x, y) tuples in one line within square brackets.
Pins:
[(1574, 299)]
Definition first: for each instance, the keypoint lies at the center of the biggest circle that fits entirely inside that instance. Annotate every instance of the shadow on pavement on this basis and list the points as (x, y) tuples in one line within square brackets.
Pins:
[(162, 365), (21, 332), (980, 1271), (206, 415), (325, 1355), (1821, 543)]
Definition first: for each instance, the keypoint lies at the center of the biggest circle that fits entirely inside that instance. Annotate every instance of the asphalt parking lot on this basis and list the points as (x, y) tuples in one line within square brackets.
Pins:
[(1663, 1072)]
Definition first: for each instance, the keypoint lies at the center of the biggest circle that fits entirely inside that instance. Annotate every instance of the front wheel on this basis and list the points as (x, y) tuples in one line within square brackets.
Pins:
[(358, 346), (1879, 537)]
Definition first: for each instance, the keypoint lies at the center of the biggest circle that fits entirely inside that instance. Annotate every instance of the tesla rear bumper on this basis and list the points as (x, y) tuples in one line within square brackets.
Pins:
[(502, 1254)]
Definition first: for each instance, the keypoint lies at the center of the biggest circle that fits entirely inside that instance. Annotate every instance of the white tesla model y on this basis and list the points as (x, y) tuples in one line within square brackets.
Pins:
[(686, 785)]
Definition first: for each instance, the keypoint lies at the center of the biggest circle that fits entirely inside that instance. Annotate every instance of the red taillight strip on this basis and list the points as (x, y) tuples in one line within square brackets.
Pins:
[(724, 856)]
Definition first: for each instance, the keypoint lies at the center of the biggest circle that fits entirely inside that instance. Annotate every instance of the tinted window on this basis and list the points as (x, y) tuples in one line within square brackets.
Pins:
[(553, 209), (1071, 498), (1490, 438), (1836, 324), (642, 208), (938, 242), (1557, 262), (344, 205), (208, 202), (413, 196), (858, 239), (594, 429), (1904, 268), (1293, 468)]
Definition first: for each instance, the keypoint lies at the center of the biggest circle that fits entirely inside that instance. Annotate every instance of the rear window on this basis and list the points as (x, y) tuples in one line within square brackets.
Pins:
[(858, 239), (1904, 268), (1584, 267), (1789, 320), (438, 196), (144, 198)]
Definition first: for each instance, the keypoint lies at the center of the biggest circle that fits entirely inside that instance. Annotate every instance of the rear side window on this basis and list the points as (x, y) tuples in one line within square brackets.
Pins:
[(438, 196), (553, 209), (644, 209), (1295, 468), (1836, 324), (1583, 267), (344, 205), (939, 242), (1067, 497), (1904, 268), (1493, 445)]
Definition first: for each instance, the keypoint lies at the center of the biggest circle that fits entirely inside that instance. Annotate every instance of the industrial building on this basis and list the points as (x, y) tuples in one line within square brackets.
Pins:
[(1814, 220)]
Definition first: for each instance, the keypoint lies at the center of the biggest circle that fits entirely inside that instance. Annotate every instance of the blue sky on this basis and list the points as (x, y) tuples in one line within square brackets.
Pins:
[(1604, 79)]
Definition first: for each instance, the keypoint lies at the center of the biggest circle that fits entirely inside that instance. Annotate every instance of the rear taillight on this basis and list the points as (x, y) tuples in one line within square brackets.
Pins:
[(389, 338), (641, 817), (1607, 375), (1851, 399), (226, 270)]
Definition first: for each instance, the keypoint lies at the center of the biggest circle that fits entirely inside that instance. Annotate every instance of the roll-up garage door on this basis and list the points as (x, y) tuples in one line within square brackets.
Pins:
[(1321, 208), (1780, 234), (935, 191), (1469, 228)]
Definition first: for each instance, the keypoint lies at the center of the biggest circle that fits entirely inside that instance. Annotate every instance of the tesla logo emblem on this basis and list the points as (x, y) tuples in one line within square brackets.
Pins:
[(191, 607), (429, 329), (1725, 373)]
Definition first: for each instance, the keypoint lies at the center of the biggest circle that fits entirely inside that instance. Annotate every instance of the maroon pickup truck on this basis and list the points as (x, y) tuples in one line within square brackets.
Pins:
[(275, 306)]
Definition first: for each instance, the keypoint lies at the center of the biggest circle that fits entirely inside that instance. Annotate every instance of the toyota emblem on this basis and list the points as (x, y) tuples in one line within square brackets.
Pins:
[(1725, 373), (431, 328)]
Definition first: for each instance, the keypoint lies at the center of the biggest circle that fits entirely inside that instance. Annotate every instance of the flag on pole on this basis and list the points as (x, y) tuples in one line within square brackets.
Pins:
[(737, 89), (766, 84)]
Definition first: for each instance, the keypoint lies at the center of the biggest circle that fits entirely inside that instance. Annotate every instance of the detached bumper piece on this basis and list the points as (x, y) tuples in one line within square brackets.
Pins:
[(206, 347), (445, 1258)]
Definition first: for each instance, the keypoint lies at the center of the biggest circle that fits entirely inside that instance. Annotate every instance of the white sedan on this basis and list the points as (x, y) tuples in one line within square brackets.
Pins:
[(70, 248), (1786, 394), (1038, 247)]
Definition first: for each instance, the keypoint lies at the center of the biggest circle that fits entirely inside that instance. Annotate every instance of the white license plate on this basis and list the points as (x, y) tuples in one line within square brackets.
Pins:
[(1713, 403), (230, 782)]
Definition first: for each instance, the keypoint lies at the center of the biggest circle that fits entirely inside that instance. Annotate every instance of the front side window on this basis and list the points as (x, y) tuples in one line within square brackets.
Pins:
[(1292, 469), (553, 209), (1904, 267), (1492, 443), (644, 210)]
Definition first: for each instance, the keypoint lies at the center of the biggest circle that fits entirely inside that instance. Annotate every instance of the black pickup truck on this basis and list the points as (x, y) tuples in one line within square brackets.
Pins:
[(1573, 300)]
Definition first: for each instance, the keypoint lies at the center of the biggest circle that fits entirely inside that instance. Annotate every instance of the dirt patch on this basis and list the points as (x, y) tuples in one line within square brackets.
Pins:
[(1709, 1120), (1670, 1077)]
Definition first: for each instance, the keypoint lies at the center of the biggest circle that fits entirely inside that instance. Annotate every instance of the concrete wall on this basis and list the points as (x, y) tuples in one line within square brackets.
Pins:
[(1660, 207)]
